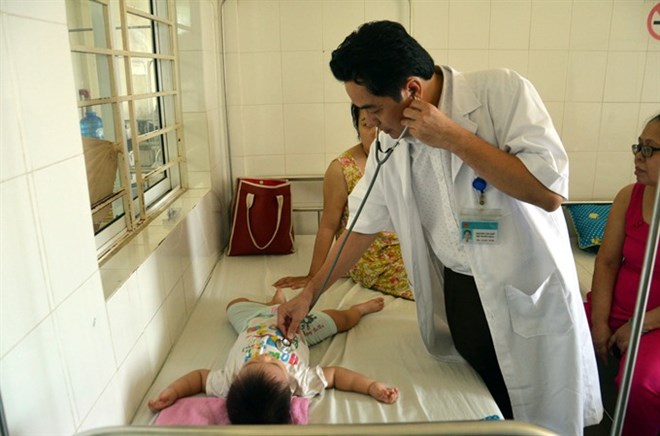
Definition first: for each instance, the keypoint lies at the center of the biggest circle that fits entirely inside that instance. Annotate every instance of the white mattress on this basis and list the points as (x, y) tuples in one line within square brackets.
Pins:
[(385, 345)]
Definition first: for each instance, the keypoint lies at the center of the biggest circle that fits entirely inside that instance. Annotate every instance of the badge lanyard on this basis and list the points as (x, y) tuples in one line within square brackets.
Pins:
[(479, 225)]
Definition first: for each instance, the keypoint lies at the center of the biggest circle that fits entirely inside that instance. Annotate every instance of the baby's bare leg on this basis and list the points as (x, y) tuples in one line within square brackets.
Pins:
[(347, 319), (278, 298)]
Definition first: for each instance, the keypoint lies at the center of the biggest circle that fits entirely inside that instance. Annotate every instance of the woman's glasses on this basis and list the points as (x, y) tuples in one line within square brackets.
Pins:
[(647, 150)]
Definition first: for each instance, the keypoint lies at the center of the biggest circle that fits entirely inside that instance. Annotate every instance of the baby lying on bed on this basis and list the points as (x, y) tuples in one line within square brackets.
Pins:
[(264, 369)]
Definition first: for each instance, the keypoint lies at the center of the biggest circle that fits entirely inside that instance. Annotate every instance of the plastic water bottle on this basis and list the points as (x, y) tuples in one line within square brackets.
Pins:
[(91, 126)]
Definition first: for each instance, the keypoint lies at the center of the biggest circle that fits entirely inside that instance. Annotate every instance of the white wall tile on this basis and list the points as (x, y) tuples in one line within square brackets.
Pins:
[(340, 18), (254, 78), (301, 25), (124, 318), (303, 123), (627, 31), (256, 130), (392, 10), (547, 71), (134, 376), (333, 89), (613, 170), (169, 262), (212, 78), (66, 226), (305, 164), (108, 410), (550, 24), (510, 24), (197, 140), (468, 60), (151, 288), (258, 26), (23, 289), (582, 168), (586, 75), (590, 25), (193, 94), (175, 316), (189, 28), (29, 385), (262, 166), (339, 131), (431, 23), (651, 87), (12, 163), (618, 129), (517, 60), (82, 325), (46, 10), (625, 76), (581, 126), (472, 36), (302, 77), (157, 337), (51, 120)]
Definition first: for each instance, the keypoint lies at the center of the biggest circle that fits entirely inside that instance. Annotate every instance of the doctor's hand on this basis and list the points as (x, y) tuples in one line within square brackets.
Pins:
[(291, 313), (428, 124), (293, 282)]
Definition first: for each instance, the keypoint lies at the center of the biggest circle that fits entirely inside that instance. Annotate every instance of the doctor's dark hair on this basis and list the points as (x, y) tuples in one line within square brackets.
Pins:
[(381, 56), (255, 398), (355, 114)]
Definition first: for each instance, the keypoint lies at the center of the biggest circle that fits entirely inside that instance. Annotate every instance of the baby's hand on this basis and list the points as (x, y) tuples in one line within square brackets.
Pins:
[(165, 398), (383, 393)]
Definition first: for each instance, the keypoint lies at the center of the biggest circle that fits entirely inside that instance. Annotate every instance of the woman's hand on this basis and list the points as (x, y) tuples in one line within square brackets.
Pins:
[(621, 337), (293, 282), (383, 393), (600, 336)]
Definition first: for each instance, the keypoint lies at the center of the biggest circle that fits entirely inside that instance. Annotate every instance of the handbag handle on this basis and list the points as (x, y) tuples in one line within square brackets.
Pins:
[(249, 200)]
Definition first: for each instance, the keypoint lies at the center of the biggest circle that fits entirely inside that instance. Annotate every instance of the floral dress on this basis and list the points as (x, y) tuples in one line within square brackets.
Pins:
[(381, 266)]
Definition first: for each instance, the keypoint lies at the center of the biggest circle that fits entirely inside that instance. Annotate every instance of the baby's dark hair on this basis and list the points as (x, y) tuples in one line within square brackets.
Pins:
[(255, 398)]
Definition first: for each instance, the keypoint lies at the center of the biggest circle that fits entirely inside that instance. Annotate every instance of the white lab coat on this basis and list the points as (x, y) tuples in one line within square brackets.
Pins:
[(527, 282)]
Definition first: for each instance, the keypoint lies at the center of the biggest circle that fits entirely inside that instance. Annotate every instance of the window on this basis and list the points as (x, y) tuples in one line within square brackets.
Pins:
[(125, 64)]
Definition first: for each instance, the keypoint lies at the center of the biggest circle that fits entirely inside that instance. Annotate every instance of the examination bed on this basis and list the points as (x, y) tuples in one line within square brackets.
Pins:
[(385, 345)]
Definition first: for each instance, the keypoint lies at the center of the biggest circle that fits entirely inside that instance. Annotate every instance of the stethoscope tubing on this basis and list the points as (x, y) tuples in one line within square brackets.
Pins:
[(349, 230)]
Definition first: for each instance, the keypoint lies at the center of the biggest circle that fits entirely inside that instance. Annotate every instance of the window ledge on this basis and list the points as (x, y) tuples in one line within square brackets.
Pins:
[(116, 270)]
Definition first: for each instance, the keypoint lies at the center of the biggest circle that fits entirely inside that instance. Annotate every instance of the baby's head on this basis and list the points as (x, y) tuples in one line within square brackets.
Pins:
[(260, 393)]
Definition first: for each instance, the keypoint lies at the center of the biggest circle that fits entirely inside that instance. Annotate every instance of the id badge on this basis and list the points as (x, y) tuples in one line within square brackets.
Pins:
[(480, 226)]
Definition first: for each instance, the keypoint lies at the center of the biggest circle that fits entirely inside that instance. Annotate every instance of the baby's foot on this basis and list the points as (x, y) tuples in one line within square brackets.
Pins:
[(278, 297), (371, 306)]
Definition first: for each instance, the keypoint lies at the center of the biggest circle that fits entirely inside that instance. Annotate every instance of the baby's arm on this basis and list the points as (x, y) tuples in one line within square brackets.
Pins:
[(351, 381), (190, 384)]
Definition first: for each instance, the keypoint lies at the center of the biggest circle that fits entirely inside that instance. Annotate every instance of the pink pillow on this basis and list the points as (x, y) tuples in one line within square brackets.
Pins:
[(213, 411)]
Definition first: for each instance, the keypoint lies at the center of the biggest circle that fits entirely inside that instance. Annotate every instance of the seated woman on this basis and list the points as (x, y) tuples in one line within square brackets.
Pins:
[(611, 303), (381, 267)]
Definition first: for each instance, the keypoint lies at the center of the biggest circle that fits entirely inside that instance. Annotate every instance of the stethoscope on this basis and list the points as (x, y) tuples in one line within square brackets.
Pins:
[(380, 160)]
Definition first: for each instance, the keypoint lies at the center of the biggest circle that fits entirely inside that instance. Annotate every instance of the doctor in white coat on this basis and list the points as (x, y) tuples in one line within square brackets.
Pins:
[(473, 152)]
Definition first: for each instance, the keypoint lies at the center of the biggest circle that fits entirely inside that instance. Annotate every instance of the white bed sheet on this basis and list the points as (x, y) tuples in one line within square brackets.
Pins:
[(385, 345)]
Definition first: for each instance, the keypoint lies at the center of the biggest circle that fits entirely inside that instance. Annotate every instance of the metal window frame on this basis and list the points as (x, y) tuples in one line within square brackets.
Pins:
[(139, 211)]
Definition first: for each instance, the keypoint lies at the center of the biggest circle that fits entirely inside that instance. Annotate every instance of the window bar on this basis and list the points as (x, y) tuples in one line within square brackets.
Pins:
[(176, 81), (120, 138), (141, 211)]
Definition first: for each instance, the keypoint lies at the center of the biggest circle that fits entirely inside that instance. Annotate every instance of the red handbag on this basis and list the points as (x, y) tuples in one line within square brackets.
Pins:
[(261, 218)]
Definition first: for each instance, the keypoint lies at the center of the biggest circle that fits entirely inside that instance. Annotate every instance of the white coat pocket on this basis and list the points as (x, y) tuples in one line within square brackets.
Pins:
[(544, 312)]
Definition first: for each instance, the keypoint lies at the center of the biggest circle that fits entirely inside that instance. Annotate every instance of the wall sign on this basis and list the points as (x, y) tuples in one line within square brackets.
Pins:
[(653, 22)]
